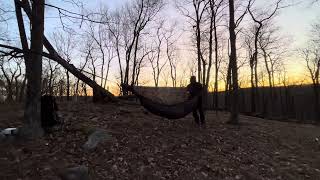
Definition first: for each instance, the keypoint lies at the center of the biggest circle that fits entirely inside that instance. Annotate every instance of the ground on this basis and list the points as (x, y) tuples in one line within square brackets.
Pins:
[(145, 146)]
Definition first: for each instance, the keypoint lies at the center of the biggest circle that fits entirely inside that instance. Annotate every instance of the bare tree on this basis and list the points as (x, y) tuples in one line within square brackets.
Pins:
[(259, 20), (139, 15), (115, 30), (65, 43), (273, 47), (145, 52), (10, 74), (311, 56), (99, 34), (87, 54), (233, 65), (33, 63), (156, 53), (215, 14), (171, 54), (126, 34), (17, 81), (51, 71), (157, 68), (197, 19)]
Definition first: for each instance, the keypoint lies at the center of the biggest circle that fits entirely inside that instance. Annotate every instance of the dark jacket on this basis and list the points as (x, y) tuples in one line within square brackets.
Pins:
[(194, 89)]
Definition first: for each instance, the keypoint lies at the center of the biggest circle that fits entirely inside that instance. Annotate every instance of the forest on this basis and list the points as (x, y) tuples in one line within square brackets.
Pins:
[(159, 89)]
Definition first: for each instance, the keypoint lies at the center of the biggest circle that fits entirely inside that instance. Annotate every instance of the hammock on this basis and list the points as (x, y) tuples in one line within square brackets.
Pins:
[(174, 111)]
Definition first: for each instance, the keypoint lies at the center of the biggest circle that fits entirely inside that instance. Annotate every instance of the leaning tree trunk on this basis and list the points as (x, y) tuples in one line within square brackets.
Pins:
[(70, 67)]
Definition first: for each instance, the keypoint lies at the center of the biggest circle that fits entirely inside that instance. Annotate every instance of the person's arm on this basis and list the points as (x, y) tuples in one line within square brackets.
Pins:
[(188, 93)]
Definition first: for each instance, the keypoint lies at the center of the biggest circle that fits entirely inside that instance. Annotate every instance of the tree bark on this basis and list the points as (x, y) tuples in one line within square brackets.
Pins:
[(32, 114), (234, 119), (68, 86)]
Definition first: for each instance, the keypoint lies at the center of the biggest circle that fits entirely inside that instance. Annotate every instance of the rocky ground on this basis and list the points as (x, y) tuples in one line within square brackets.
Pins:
[(144, 146)]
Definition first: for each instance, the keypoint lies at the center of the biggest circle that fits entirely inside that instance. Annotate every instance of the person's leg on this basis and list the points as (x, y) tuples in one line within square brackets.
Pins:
[(202, 117), (200, 109), (195, 116)]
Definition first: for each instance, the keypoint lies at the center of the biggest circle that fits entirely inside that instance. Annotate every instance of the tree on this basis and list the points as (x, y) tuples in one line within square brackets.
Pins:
[(197, 19), (215, 12), (139, 15), (126, 34), (171, 55), (273, 46), (260, 21), (100, 36), (233, 65), (65, 44), (52, 53), (10, 74), (311, 55), (33, 63), (155, 55)]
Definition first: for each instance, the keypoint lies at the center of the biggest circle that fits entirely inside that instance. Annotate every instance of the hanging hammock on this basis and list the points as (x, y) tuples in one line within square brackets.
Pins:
[(173, 111)]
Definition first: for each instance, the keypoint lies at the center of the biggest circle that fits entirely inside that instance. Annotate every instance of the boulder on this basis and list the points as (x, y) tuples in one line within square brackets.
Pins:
[(75, 173), (2, 137), (96, 137), (8, 134)]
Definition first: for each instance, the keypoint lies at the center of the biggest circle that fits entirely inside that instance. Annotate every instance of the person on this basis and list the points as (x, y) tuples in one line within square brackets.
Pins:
[(195, 89)]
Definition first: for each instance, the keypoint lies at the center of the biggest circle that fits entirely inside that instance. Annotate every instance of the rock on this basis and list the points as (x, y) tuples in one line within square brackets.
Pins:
[(2, 137), (98, 136), (75, 173), (9, 131), (8, 134), (204, 174)]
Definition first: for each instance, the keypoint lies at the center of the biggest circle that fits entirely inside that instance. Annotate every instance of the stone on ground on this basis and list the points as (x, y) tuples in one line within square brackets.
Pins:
[(98, 136), (75, 173)]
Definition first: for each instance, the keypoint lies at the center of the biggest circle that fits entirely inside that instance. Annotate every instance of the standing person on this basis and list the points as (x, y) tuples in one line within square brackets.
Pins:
[(195, 89)]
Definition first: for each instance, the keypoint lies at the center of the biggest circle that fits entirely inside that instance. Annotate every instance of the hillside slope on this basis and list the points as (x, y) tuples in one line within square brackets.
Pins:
[(149, 147)]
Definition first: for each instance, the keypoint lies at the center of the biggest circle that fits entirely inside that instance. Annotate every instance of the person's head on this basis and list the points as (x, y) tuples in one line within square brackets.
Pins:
[(193, 79)]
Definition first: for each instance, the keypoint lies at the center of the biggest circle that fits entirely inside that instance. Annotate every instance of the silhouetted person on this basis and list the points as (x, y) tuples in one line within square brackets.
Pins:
[(195, 89), (49, 116)]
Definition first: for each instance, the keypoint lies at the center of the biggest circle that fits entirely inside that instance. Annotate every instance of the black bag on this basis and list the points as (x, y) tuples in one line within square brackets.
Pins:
[(49, 115)]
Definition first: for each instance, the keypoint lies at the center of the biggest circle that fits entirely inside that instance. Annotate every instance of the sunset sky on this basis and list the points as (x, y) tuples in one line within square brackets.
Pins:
[(294, 21)]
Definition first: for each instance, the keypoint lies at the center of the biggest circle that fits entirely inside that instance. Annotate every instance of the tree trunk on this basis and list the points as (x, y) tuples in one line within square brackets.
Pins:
[(317, 103), (228, 85), (270, 99), (216, 66), (32, 113), (22, 90), (9, 92), (17, 88), (198, 38), (234, 67), (68, 86)]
